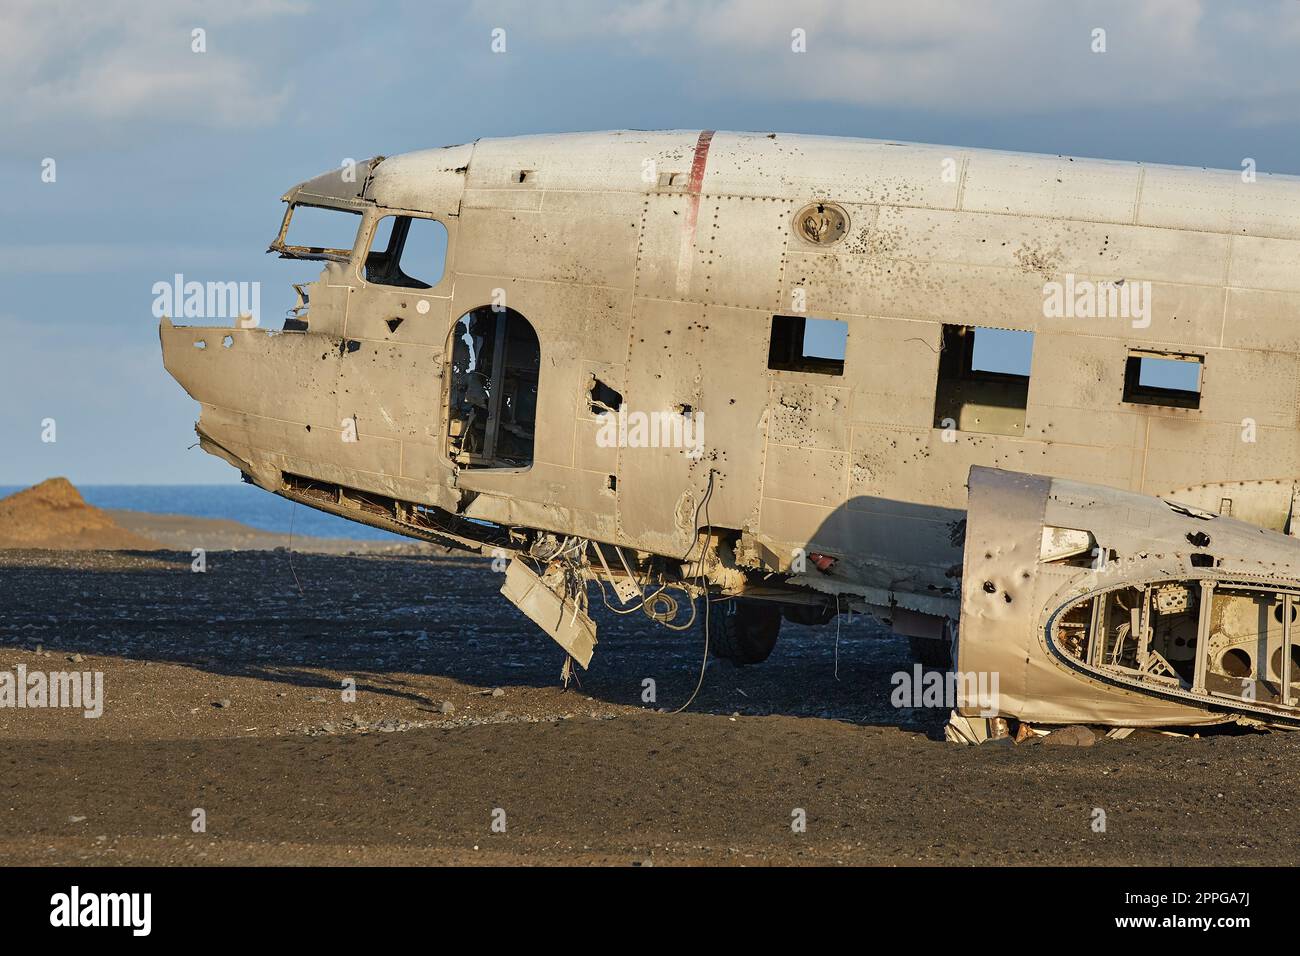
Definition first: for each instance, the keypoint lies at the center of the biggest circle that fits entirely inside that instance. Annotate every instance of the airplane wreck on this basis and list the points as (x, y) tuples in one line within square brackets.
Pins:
[(653, 367), (1099, 606)]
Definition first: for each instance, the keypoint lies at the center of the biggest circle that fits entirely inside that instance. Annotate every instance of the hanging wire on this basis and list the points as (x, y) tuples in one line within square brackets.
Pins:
[(704, 662), (293, 511)]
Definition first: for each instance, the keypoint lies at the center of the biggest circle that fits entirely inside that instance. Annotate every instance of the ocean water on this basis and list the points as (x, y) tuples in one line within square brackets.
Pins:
[(246, 504)]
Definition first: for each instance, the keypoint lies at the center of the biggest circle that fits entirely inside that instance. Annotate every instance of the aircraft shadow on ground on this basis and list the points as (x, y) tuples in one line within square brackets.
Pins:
[(390, 622)]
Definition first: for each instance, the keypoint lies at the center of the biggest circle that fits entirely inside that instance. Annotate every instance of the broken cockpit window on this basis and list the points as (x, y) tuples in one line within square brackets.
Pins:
[(492, 404), (407, 251), (317, 232)]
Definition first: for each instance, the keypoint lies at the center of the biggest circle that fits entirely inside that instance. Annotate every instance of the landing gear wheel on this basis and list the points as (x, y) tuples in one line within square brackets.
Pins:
[(931, 653), (744, 632), (810, 615)]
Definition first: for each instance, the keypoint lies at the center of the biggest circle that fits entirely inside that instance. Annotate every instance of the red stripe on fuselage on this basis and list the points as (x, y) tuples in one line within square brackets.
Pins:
[(697, 179), (686, 255)]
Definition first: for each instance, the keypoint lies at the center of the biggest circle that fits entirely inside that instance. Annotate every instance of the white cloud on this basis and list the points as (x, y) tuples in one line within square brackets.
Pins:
[(976, 57), (113, 62)]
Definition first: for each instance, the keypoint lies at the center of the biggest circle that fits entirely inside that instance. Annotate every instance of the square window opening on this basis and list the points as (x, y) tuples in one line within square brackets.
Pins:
[(407, 252), (983, 380), (804, 344), (1174, 381)]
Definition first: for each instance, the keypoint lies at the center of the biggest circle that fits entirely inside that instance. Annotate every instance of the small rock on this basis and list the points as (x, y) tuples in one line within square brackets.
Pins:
[(315, 700), (222, 704), (498, 692), (447, 707), (1072, 736), (75, 819), (75, 658)]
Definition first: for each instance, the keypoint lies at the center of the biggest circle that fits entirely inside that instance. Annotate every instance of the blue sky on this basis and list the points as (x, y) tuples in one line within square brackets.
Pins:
[(172, 161)]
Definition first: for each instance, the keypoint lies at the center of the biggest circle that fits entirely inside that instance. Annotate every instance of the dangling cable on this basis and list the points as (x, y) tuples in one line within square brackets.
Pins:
[(292, 511), (837, 637), (701, 582)]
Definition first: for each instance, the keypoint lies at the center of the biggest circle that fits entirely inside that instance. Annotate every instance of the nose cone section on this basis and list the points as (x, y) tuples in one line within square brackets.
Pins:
[(174, 342), (258, 391), (185, 356)]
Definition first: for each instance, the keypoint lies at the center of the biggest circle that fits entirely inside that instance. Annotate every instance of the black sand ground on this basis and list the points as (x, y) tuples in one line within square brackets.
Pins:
[(224, 693)]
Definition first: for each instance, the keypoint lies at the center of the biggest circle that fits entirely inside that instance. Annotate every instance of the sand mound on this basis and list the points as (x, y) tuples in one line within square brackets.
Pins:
[(54, 516)]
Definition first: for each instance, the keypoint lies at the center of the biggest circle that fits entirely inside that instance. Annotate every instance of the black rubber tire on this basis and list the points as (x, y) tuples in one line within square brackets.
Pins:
[(743, 632), (932, 653), (809, 615)]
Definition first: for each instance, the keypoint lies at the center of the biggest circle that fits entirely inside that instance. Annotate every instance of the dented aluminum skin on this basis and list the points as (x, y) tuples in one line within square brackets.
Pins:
[(652, 264), (1018, 591)]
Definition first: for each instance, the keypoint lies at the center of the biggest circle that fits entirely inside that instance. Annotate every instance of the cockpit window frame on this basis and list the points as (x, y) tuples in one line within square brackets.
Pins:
[(371, 230), (315, 253), (373, 216)]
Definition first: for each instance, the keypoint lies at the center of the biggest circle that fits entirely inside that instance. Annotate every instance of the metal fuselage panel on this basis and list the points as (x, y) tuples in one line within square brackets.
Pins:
[(654, 262)]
